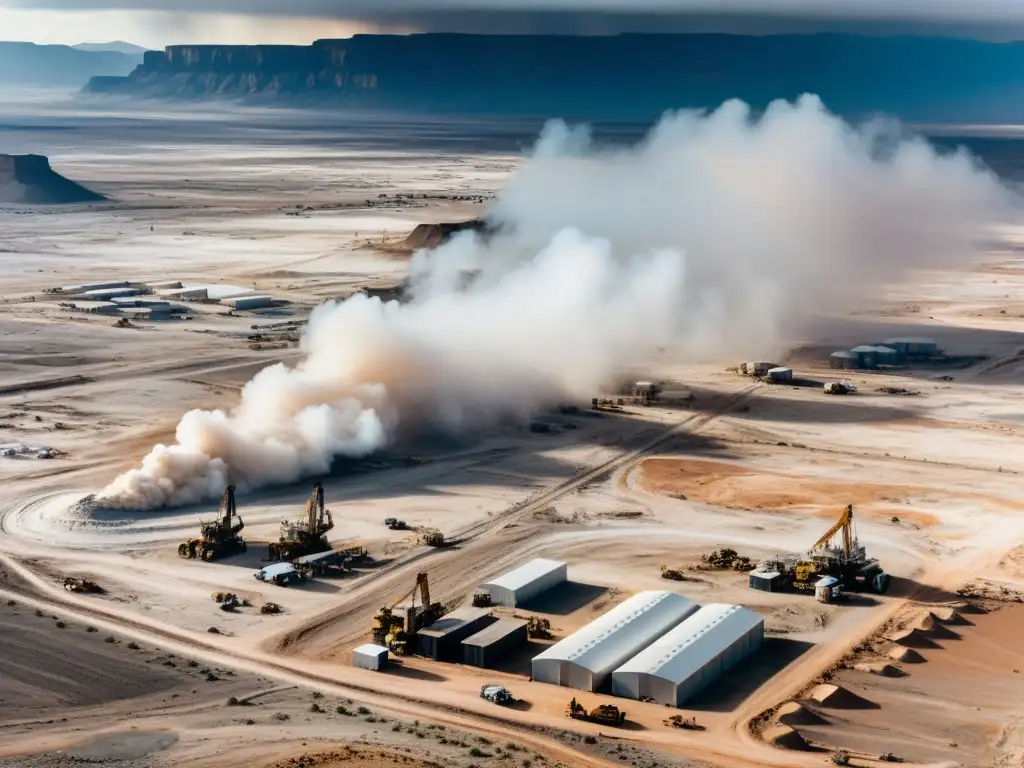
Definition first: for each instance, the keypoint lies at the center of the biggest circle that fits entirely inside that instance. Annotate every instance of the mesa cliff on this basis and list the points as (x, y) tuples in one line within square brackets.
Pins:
[(630, 75), (29, 179)]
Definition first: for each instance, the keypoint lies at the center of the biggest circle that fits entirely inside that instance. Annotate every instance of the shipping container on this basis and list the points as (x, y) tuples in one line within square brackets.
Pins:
[(370, 657)]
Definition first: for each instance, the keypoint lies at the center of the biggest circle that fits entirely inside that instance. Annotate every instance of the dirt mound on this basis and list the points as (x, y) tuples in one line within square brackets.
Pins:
[(784, 737), (880, 668), (949, 616), (794, 713), (28, 179), (906, 655), (926, 623), (433, 235), (913, 638), (966, 607), (837, 697)]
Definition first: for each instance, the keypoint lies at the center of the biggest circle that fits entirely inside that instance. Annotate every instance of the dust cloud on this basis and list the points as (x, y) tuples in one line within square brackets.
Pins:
[(701, 243)]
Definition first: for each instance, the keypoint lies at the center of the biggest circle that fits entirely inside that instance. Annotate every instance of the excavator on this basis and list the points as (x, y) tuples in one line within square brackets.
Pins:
[(847, 561), (396, 631), (307, 536), (217, 538), (605, 714)]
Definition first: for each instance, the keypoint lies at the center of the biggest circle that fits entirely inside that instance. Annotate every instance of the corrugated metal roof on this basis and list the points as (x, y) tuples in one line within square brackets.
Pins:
[(910, 340), (371, 650), (589, 646), (496, 631), (526, 574), (780, 370), (844, 353), (686, 649), (277, 569), (863, 348), (454, 621)]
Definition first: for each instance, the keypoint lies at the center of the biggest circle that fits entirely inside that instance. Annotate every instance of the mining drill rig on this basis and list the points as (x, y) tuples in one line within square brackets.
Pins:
[(396, 629), (307, 536), (846, 561), (217, 538)]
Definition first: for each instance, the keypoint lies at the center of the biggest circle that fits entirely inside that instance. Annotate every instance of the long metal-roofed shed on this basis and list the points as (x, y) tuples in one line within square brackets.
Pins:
[(914, 346), (844, 360), (494, 643), (586, 659), (677, 666), (526, 582), (441, 640)]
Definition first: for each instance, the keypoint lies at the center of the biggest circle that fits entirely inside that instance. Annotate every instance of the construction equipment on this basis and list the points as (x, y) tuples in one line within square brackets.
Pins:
[(498, 694), (307, 536), (646, 392), (605, 714), (691, 724), (82, 586), (217, 538), (281, 574), (432, 537), (396, 630), (482, 599), (846, 561), (538, 628), (839, 388), (395, 524), (725, 559)]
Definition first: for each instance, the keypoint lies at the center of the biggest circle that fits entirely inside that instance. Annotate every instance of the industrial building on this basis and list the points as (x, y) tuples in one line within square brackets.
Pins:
[(105, 294), (249, 302), (494, 643), (756, 368), (185, 294), (586, 659), (370, 657), (844, 360), (677, 666), (441, 640), (780, 375), (140, 301), (914, 346), (514, 588), (91, 307), (74, 290), (867, 356)]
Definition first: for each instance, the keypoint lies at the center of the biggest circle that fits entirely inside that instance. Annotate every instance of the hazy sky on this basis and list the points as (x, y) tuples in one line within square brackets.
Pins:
[(156, 23)]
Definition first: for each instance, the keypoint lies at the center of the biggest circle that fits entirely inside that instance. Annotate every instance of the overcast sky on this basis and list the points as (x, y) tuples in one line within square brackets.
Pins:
[(156, 23)]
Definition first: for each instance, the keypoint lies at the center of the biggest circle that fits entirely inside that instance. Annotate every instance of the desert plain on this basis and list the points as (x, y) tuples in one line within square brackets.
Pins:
[(309, 207)]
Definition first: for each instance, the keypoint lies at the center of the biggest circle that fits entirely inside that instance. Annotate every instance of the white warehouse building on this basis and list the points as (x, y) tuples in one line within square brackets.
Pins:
[(586, 659), (681, 663), (525, 582)]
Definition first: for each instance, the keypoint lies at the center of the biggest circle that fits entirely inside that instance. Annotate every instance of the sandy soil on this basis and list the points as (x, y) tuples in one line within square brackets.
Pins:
[(763, 469)]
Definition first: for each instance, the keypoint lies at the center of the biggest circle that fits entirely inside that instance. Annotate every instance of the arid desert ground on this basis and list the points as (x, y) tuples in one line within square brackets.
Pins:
[(314, 210)]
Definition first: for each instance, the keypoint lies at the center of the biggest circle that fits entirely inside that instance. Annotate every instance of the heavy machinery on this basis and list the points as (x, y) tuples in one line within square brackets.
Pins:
[(432, 537), (498, 694), (217, 538), (82, 586), (605, 714), (839, 388), (307, 536), (397, 629), (846, 561), (539, 628)]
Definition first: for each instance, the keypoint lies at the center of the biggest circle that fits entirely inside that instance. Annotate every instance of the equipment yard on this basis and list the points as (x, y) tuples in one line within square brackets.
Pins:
[(615, 492)]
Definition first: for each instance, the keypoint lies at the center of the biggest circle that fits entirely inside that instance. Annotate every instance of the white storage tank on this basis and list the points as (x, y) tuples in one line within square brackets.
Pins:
[(678, 665), (586, 659), (370, 657), (514, 588)]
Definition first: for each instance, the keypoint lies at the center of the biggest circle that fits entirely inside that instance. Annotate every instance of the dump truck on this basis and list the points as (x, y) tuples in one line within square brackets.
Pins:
[(397, 629), (217, 538), (605, 714), (307, 536)]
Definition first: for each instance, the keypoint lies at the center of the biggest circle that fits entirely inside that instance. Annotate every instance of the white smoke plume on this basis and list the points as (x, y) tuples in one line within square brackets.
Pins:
[(700, 243)]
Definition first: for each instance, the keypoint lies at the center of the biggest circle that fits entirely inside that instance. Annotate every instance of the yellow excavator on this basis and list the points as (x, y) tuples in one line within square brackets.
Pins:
[(397, 630), (847, 561)]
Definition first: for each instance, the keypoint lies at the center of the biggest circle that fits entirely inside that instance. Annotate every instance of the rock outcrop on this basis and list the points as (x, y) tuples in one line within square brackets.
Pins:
[(622, 76), (29, 179), (433, 235)]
